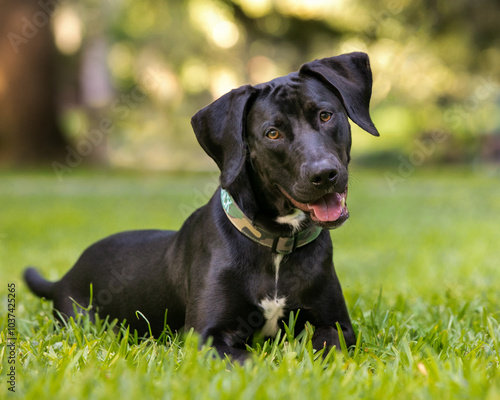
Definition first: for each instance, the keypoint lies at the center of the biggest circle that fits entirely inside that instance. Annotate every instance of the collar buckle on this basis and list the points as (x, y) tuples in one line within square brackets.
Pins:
[(282, 244)]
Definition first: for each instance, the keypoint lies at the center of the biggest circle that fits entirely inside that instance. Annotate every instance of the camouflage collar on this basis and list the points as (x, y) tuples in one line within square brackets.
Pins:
[(278, 244)]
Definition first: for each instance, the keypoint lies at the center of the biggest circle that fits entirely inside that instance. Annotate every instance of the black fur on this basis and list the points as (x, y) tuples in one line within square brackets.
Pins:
[(208, 275)]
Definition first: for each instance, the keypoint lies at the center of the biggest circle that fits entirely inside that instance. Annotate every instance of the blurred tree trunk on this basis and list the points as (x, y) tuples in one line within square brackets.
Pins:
[(29, 131)]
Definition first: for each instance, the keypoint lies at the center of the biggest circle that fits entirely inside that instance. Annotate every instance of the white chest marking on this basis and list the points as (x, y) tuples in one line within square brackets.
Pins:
[(294, 219), (277, 261), (273, 308)]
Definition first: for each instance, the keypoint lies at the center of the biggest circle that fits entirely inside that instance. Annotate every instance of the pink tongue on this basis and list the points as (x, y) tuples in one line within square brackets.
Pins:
[(328, 208)]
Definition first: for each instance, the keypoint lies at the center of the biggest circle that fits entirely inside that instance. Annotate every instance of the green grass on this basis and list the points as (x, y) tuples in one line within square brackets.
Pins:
[(419, 265)]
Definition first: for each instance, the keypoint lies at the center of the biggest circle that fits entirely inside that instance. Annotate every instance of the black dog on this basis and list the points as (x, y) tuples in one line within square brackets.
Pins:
[(260, 247)]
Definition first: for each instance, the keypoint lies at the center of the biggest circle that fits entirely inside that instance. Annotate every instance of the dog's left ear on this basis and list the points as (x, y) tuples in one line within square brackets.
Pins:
[(219, 128), (350, 75)]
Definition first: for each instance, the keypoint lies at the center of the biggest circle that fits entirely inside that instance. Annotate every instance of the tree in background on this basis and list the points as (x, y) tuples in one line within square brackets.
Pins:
[(29, 129), (435, 65)]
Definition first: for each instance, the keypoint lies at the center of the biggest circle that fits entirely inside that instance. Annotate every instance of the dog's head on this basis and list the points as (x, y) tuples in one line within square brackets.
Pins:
[(293, 134)]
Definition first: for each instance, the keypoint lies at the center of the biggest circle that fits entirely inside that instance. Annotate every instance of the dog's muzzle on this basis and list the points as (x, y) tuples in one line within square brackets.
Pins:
[(329, 211)]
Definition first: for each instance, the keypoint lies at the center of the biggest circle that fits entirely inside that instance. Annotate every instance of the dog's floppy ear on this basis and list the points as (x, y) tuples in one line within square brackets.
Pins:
[(219, 128), (351, 76)]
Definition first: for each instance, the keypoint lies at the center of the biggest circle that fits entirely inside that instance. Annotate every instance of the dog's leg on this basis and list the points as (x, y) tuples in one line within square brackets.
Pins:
[(327, 336), (330, 310), (225, 322), (225, 349)]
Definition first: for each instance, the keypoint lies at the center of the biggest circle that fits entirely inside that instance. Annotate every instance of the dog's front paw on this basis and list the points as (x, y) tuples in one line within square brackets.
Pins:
[(328, 336)]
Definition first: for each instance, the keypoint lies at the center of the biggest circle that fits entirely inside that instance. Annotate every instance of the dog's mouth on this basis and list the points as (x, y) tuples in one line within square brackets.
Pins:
[(329, 211)]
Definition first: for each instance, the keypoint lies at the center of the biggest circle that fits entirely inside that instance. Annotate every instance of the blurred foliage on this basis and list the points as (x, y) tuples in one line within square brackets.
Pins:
[(435, 66)]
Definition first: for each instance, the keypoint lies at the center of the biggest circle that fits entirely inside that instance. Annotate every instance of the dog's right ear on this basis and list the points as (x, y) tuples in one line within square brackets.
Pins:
[(219, 128)]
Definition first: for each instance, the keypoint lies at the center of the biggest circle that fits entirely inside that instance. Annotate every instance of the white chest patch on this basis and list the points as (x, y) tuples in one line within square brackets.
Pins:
[(294, 219), (273, 307), (277, 262), (273, 310)]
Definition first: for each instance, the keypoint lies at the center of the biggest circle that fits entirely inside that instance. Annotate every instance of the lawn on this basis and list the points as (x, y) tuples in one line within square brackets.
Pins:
[(419, 262)]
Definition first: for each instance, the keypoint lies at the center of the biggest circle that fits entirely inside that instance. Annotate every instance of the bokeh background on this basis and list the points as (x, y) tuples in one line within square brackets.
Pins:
[(115, 82), (96, 98)]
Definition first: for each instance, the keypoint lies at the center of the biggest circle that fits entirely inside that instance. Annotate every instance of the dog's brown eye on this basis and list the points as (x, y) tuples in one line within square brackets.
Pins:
[(325, 116), (273, 134)]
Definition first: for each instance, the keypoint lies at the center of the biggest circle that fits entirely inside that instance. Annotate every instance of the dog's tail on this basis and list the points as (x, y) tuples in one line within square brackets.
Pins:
[(38, 285)]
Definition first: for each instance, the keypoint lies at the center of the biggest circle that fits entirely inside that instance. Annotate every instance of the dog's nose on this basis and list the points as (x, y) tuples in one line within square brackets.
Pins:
[(322, 174)]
